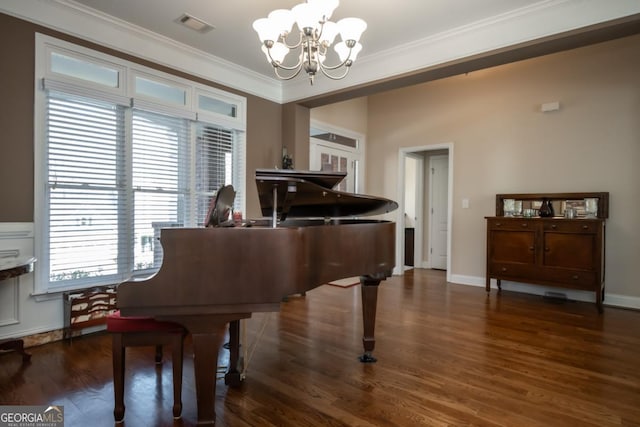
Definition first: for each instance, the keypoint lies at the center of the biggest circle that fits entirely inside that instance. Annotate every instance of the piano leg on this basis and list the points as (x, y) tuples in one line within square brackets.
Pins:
[(369, 288), (232, 377), (205, 351), (208, 333)]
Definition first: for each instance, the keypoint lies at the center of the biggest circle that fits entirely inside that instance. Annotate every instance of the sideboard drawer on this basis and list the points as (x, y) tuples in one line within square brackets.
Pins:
[(512, 270), (586, 280), (510, 224), (577, 226)]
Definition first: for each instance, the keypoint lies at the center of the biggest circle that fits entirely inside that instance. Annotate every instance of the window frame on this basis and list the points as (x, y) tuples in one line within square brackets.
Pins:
[(124, 94)]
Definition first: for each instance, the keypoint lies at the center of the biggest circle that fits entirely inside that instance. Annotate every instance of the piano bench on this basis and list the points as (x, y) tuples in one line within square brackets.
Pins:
[(144, 331)]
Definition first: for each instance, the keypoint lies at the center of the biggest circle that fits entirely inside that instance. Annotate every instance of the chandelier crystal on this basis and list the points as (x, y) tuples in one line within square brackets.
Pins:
[(316, 35)]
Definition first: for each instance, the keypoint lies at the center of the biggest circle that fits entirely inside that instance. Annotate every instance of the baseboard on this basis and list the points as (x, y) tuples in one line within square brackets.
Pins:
[(611, 300), (38, 337), (32, 338), (43, 338)]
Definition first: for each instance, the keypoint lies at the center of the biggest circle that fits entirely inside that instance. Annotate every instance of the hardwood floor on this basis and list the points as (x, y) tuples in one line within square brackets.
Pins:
[(448, 355)]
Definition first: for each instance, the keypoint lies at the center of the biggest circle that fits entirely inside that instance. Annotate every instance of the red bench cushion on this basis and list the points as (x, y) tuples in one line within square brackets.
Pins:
[(118, 323)]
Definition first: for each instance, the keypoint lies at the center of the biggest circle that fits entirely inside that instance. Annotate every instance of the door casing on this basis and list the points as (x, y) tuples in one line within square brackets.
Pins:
[(402, 154)]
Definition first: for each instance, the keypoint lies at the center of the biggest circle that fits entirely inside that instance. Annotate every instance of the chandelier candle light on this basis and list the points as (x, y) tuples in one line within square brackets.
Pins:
[(317, 34)]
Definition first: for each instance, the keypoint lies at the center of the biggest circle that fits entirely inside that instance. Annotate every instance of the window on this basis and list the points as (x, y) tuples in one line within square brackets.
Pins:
[(214, 167), (160, 181), (116, 167), (83, 68), (82, 187)]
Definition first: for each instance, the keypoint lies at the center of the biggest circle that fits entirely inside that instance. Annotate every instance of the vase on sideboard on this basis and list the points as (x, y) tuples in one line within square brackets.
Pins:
[(546, 209)]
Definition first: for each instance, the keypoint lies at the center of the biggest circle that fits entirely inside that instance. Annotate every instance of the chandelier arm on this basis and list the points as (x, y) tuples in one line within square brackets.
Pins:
[(347, 63), (275, 70), (343, 75), (283, 37), (318, 34), (277, 64)]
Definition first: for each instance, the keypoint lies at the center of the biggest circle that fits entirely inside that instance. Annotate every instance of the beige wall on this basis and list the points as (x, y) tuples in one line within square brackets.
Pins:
[(351, 115), (503, 143)]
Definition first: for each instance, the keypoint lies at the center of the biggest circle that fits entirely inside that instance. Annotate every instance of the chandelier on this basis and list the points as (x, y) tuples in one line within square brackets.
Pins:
[(316, 35)]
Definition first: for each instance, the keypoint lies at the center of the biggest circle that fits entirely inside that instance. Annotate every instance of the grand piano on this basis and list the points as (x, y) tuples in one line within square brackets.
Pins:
[(214, 277)]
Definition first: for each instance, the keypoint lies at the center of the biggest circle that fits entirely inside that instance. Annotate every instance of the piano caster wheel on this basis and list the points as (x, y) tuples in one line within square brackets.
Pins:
[(118, 415), (286, 297), (233, 379), (367, 358), (177, 411)]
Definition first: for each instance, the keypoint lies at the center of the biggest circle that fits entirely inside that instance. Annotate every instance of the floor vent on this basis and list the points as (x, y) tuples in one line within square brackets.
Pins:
[(555, 297)]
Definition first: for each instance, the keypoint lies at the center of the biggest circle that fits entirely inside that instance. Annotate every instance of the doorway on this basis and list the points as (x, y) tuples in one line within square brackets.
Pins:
[(338, 150), (433, 242), (326, 156)]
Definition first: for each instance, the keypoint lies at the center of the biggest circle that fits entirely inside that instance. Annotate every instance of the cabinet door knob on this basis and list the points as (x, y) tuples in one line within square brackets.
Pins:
[(585, 227), (546, 249), (525, 225), (554, 226), (504, 269), (531, 248), (575, 277), (498, 224)]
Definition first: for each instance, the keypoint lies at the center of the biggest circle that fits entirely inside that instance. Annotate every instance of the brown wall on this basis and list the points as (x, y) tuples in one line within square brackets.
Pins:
[(17, 63), (17, 67)]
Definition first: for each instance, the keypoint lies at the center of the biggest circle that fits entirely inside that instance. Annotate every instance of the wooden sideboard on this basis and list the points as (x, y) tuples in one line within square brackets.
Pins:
[(554, 251)]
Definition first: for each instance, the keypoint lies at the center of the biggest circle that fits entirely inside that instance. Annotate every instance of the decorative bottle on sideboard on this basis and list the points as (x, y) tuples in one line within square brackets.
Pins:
[(546, 209)]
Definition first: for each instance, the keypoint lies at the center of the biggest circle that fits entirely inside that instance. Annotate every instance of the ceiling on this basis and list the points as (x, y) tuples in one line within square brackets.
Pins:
[(403, 37)]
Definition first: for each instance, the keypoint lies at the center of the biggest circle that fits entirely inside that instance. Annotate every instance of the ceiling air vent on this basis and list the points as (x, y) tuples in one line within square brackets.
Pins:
[(195, 24)]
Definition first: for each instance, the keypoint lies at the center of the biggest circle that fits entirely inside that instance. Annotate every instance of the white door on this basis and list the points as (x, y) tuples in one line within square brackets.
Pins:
[(413, 204), (325, 156), (439, 168)]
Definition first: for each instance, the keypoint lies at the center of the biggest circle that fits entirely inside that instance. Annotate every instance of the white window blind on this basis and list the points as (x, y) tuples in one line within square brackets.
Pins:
[(85, 166), (214, 165), (160, 181)]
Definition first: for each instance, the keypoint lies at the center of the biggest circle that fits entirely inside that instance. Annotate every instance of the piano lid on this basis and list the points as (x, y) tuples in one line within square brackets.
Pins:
[(310, 194)]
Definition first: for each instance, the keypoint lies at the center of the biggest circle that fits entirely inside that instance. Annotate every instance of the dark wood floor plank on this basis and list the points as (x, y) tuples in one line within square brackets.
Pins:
[(448, 355)]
